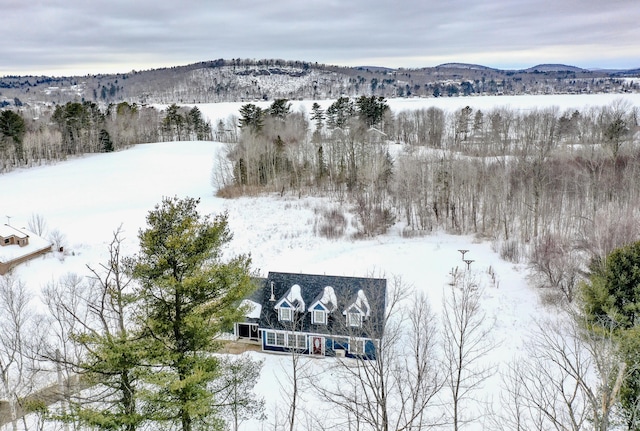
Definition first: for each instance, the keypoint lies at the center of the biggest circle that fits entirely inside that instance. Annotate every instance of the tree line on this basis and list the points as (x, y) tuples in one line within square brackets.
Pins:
[(30, 138), (250, 79)]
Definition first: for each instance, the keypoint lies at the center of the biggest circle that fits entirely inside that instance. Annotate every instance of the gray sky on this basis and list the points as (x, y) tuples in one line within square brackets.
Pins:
[(76, 37)]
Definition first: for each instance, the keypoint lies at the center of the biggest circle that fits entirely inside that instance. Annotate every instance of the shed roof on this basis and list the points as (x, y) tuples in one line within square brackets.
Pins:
[(9, 253)]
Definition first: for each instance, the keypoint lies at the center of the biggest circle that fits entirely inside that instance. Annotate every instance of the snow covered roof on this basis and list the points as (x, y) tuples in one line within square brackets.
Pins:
[(14, 251), (7, 231), (327, 298), (333, 292), (253, 309), (294, 298), (361, 303)]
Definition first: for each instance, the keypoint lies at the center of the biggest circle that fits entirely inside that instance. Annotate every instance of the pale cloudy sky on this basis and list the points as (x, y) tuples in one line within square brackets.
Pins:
[(69, 37)]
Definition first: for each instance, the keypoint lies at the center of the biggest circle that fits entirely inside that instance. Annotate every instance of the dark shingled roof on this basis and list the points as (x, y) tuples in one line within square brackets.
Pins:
[(312, 288)]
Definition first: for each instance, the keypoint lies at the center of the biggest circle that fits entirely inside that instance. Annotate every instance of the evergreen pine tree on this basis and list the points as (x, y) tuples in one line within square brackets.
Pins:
[(105, 141), (188, 295), (12, 131), (611, 298)]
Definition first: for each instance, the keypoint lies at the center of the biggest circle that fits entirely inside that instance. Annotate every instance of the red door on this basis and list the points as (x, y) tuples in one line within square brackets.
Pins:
[(317, 346)]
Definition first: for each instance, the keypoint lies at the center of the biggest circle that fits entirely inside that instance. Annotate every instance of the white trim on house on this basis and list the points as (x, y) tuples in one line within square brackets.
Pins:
[(357, 311), (290, 303), (284, 339), (319, 313), (303, 341), (319, 317)]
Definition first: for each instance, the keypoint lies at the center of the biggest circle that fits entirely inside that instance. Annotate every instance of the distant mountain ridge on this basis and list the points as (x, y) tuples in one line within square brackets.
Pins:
[(464, 66), (555, 68), (239, 80)]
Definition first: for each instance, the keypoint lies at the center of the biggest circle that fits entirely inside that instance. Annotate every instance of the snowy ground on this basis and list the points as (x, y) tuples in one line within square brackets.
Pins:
[(88, 198)]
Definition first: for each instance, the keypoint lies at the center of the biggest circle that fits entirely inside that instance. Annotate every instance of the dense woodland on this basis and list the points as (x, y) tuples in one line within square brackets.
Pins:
[(556, 189)]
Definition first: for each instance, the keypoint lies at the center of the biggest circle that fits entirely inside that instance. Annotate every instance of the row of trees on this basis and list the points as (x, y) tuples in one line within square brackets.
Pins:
[(277, 151), (32, 138), (139, 331), (181, 124)]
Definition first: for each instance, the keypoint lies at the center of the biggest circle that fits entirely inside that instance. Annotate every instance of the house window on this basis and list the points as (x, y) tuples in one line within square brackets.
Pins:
[(6, 240), (301, 341), (340, 343), (297, 341), (319, 317), (284, 314), (356, 346), (276, 339), (354, 319)]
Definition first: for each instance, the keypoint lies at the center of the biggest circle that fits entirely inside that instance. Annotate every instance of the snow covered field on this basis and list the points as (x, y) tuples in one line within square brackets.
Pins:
[(220, 111), (88, 198)]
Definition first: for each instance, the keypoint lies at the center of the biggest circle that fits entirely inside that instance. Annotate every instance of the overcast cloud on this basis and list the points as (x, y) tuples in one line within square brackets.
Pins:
[(65, 37)]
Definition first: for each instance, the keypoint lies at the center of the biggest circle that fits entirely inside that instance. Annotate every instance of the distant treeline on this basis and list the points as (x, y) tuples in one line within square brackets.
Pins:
[(29, 138)]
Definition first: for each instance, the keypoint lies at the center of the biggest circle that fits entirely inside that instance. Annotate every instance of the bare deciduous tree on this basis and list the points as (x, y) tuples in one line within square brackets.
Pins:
[(395, 390), (569, 377), (555, 264), (37, 224), (467, 341), (16, 323)]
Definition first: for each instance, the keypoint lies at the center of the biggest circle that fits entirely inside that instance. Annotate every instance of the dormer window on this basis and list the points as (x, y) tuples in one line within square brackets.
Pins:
[(319, 314), (285, 313), (358, 310), (319, 317), (323, 305), (290, 303), (354, 318)]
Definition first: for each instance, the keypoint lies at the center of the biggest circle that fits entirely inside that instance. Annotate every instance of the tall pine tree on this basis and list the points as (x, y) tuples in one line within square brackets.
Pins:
[(188, 294)]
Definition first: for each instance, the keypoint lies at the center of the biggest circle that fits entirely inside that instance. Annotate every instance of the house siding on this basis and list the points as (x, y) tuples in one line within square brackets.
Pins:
[(332, 344), (303, 294)]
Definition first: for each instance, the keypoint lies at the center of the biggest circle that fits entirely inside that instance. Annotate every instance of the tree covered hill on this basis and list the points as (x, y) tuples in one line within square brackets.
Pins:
[(240, 80)]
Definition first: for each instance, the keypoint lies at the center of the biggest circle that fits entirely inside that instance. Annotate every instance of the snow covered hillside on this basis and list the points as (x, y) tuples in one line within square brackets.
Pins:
[(88, 198)]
